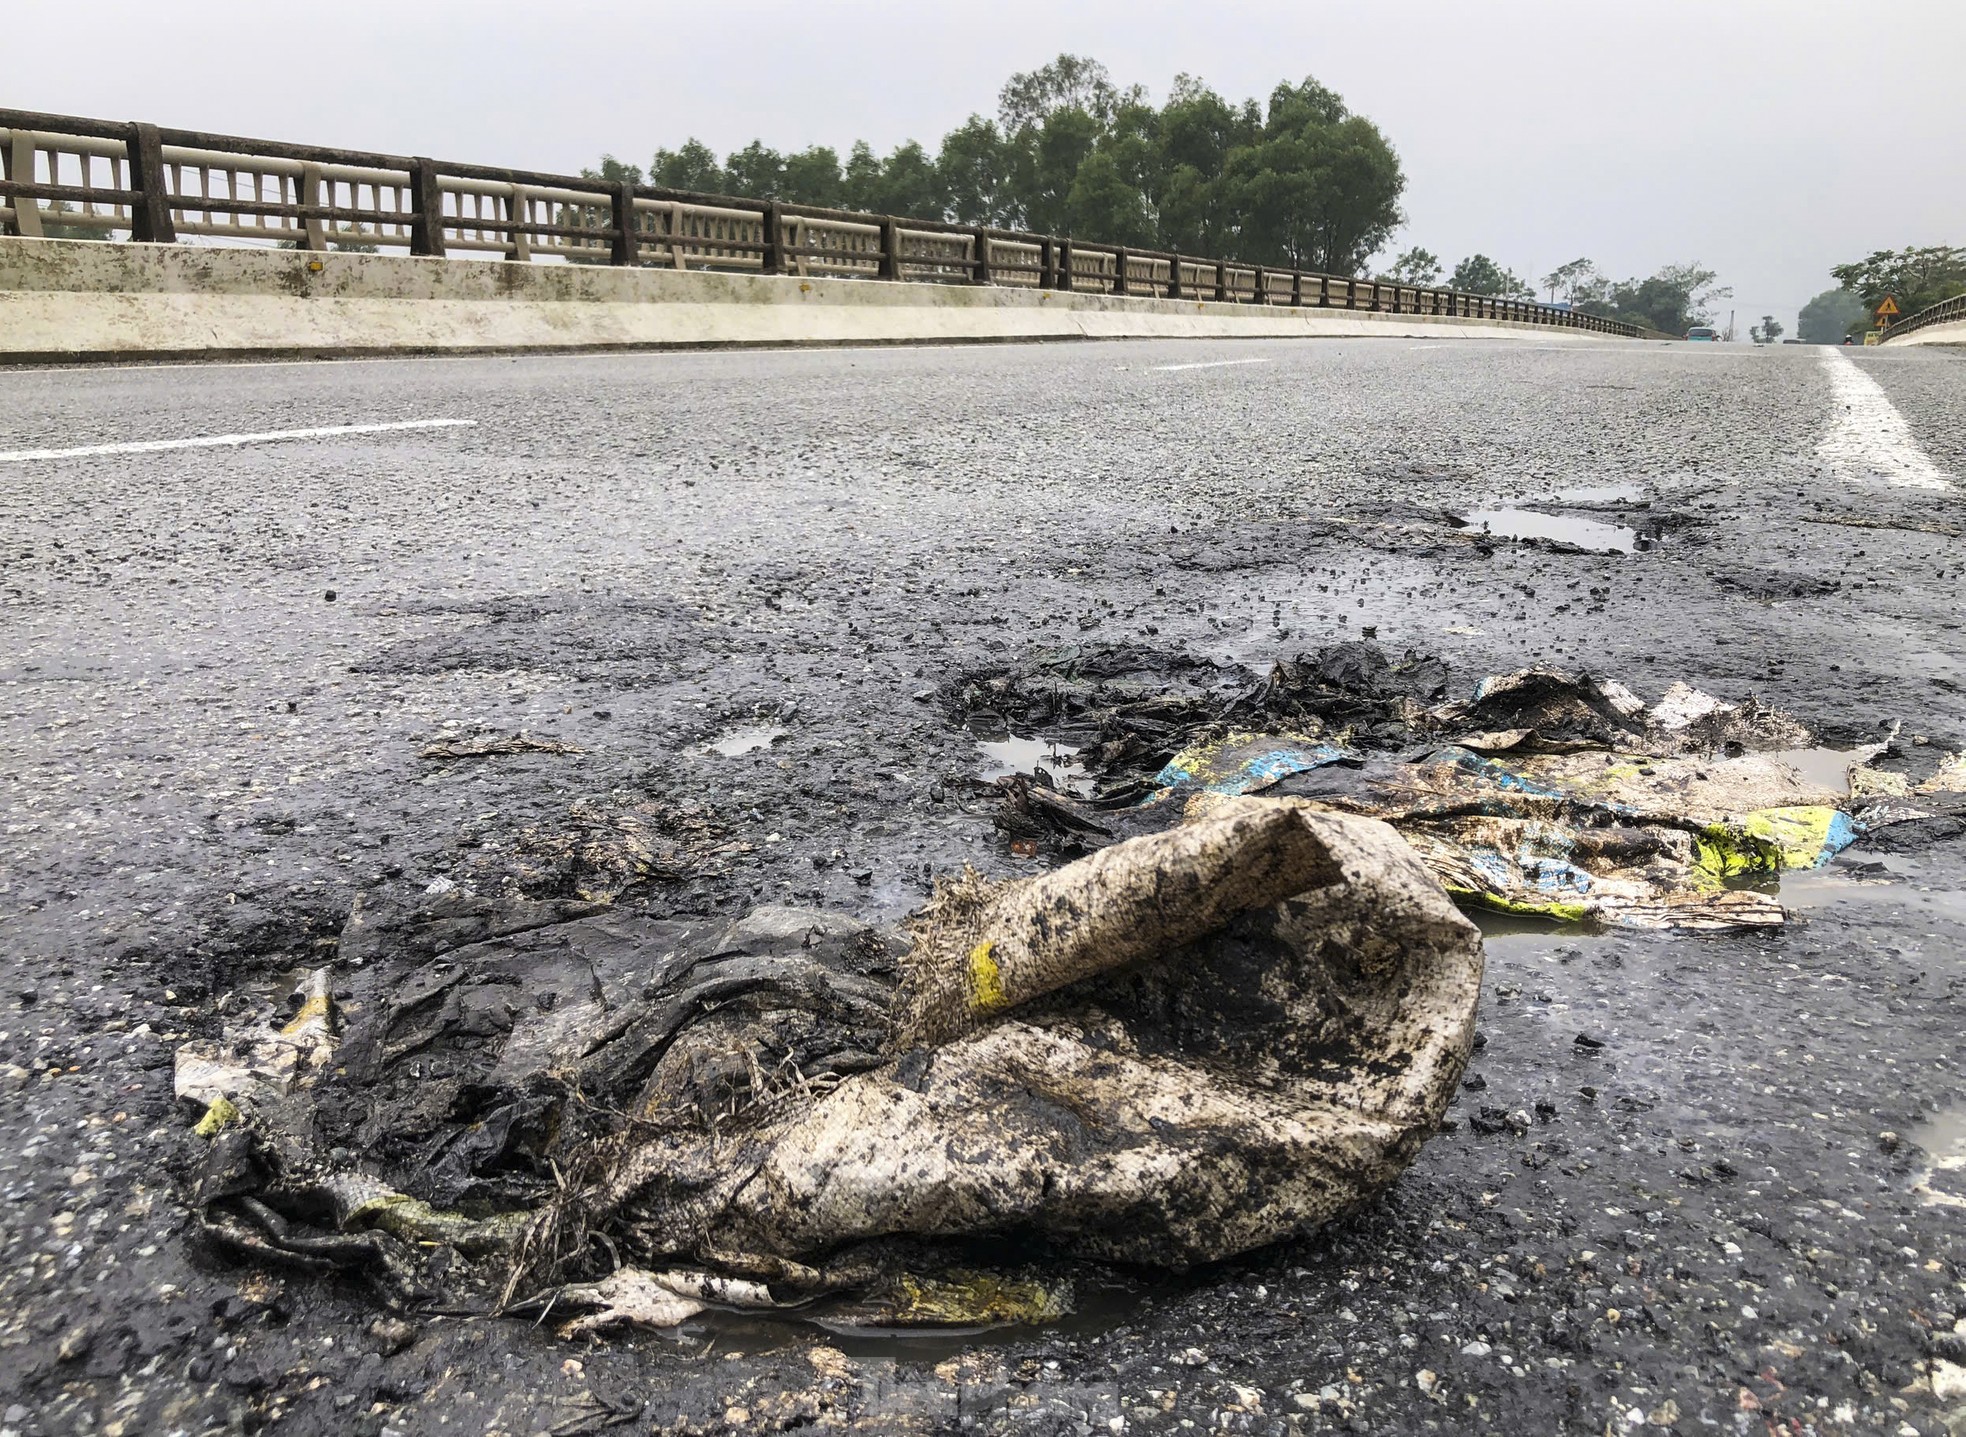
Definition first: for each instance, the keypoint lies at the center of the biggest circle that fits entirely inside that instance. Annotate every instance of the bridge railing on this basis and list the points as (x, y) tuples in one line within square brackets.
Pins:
[(1940, 313), (62, 175)]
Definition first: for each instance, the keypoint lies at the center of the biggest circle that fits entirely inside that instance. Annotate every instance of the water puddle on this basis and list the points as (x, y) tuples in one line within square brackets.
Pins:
[(1563, 528), (1823, 767), (1006, 756), (1942, 1183), (1494, 923), (748, 739), (1863, 885), (1100, 1303)]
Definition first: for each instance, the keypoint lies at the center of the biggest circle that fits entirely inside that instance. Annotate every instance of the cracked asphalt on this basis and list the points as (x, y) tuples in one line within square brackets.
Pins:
[(1729, 1210)]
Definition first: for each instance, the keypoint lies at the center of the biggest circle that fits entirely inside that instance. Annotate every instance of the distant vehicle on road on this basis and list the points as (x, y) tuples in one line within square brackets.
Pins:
[(1703, 331)]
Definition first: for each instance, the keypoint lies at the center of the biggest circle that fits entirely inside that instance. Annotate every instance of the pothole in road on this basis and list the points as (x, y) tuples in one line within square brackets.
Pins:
[(1028, 756), (746, 739), (1587, 534)]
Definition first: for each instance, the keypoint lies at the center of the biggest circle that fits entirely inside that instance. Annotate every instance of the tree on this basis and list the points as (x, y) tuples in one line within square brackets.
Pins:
[(911, 185), (1915, 277), (1320, 190), (1299, 180), (1416, 266), (1071, 82), (1830, 317), (1671, 301), (861, 182), (1478, 274), (812, 177), (1102, 203), (1567, 280), (756, 172), (1767, 332), (693, 167), (976, 169)]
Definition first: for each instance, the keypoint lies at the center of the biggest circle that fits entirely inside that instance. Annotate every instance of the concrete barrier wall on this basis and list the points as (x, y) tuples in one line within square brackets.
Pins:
[(72, 300), (1952, 331)]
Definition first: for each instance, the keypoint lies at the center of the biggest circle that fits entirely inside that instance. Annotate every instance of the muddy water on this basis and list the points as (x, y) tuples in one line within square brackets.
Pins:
[(1007, 756), (1102, 1301), (1565, 528), (1941, 1180)]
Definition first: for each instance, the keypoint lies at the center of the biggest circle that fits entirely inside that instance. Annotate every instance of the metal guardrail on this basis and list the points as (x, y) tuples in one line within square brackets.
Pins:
[(62, 174), (1945, 309)]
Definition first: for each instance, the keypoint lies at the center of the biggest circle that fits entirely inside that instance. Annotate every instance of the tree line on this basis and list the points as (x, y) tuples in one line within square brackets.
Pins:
[(1672, 301), (1915, 277), (1297, 181)]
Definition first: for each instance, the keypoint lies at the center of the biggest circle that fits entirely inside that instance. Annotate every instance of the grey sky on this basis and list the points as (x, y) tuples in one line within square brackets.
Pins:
[(1766, 138)]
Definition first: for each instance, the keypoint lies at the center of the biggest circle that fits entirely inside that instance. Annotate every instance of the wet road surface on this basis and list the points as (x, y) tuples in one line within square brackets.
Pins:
[(731, 582)]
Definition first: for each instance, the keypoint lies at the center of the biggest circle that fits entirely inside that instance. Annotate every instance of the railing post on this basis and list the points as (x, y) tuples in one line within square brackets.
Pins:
[(313, 229), (1174, 276), (426, 209), (1262, 285), (1324, 291), (1221, 282), (1297, 289), (150, 213), (626, 249), (27, 209), (771, 259), (1047, 263), (1119, 270), (1065, 279), (984, 272), (890, 249)]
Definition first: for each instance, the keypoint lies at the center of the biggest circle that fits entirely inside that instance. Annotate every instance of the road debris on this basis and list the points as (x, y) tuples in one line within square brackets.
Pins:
[(1179, 1048), (1545, 793), (495, 745)]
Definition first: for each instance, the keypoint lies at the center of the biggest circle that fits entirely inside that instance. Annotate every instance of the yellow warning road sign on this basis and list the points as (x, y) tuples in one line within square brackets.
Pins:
[(1888, 308)]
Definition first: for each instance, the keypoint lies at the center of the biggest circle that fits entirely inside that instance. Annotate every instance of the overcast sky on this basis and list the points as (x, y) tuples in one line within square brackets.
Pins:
[(1768, 139)]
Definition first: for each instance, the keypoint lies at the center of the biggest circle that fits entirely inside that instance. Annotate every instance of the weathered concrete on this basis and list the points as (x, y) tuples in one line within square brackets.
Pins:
[(1953, 331), (65, 300)]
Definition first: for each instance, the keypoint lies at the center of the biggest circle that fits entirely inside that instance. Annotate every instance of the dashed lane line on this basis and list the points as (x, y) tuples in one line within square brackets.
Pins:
[(1205, 364), (1867, 435), (228, 441)]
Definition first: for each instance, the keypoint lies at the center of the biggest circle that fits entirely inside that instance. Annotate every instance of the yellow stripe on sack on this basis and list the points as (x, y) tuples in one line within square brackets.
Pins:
[(314, 1010), (216, 1117), (985, 979), (1800, 833)]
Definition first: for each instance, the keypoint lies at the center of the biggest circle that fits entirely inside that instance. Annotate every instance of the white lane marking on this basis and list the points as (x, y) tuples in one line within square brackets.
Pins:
[(1867, 436), (222, 441), (1204, 364)]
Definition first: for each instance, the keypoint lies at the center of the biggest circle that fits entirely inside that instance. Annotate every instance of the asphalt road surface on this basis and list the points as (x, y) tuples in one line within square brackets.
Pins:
[(219, 665)]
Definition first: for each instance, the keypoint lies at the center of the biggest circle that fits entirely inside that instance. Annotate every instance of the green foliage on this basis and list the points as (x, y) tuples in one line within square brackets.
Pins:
[(1416, 266), (1915, 277), (1478, 274), (1831, 317), (1564, 281), (1298, 181), (693, 167), (1766, 332), (52, 228), (1671, 301)]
